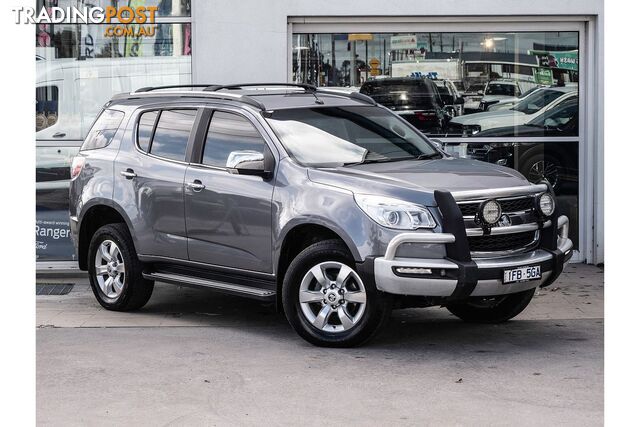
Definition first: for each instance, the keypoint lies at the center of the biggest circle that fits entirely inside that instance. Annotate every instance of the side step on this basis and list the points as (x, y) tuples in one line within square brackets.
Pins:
[(196, 282)]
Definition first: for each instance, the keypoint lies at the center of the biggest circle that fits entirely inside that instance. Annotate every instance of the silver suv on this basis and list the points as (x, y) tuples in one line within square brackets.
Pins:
[(325, 203)]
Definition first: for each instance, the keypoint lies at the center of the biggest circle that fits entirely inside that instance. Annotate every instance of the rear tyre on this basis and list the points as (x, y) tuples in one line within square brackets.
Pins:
[(115, 272), (327, 302), (492, 309)]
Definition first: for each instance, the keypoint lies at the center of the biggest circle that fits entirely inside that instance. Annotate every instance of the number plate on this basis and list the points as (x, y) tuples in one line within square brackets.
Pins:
[(521, 274)]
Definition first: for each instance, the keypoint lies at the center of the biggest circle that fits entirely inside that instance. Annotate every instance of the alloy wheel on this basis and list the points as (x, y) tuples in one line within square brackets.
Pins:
[(110, 269), (544, 170), (332, 297)]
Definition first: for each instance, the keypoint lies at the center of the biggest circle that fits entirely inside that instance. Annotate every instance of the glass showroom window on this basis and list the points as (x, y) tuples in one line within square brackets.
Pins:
[(78, 69), (495, 87)]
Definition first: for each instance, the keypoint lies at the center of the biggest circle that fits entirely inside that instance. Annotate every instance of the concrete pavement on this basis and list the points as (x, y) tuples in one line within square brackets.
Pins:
[(193, 357)]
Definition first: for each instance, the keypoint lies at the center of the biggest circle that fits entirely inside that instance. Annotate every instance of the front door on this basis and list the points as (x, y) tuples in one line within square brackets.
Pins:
[(228, 216)]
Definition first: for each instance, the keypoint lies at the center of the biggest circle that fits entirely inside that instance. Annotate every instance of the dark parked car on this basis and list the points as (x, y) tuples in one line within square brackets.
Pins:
[(416, 100), (323, 203), (555, 162)]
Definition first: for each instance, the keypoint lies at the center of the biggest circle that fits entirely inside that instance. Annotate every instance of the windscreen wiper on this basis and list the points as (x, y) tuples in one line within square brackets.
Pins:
[(383, 160), (428, 156)]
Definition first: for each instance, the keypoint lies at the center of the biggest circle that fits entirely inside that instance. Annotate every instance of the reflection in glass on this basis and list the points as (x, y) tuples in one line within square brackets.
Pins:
[(492, 71), (556, 162), (80, 69), (172, 134), (229, 132), (53, 241), (335, 136)]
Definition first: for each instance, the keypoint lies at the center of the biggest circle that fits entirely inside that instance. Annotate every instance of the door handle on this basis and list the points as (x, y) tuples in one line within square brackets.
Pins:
[(196, 185), (129, 173)]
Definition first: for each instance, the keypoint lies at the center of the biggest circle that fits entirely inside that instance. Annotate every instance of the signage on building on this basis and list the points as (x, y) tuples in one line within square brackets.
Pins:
[(543, 76), (564, 60), (409, 41), (374, 63), (360, 37)]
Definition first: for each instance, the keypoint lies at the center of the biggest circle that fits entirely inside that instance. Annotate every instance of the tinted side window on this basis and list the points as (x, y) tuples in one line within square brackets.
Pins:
[(145, 129), (229, 132), (172, 134), (103, 130), (46, 107)]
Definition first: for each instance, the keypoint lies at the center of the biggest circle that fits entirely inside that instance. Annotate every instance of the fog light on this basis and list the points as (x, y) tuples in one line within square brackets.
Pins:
[(546, 204), (490, 212), (413, 270)]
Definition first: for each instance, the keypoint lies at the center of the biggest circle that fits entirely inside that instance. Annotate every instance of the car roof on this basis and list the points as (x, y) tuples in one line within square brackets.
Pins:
[(395, 80), (265, 98), (503, 81)]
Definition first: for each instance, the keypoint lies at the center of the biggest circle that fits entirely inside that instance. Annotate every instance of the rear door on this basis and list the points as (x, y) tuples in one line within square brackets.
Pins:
[(228, 216), (149, 179)]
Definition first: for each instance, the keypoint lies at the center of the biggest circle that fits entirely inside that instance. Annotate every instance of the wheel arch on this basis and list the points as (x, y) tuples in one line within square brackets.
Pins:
[(301, 234), (94, 216)]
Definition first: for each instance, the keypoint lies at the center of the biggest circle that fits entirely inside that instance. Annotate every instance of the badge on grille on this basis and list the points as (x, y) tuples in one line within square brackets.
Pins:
[(504, 221)]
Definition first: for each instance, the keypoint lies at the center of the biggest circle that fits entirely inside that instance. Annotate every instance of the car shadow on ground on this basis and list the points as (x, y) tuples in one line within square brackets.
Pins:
[(431, 328)]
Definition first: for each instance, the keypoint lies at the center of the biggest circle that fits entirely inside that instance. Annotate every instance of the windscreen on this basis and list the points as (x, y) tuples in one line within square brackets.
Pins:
[(501, 89), (335, 136), (536, 100)]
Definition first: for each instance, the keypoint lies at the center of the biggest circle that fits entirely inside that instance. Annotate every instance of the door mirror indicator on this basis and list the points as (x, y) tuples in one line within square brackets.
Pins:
[(248, 162)]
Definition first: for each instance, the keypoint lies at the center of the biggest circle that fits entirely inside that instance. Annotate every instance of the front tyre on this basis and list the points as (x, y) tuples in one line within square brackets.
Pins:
[(327, 302), (115, 272), (492, 309)]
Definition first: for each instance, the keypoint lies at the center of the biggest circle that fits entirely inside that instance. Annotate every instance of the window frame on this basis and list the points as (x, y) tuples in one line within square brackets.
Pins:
[(192, 134), (203, 128), (200, 157)]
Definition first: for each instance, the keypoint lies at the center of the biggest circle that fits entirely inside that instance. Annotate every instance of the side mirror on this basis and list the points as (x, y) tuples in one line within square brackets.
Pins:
[(250, 162)]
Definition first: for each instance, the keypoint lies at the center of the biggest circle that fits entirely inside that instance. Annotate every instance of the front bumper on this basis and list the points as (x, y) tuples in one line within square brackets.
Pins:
[(458, 276)]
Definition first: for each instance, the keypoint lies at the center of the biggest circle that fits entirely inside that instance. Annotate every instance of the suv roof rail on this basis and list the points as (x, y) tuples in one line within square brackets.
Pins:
[(215, 88), (215, 92), (194, 94), (152, 88)]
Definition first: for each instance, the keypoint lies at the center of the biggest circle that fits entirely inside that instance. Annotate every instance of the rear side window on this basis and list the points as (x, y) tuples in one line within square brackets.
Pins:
[(103, 130), (46, 107), (171, 134), (145, 129), (229, 132)]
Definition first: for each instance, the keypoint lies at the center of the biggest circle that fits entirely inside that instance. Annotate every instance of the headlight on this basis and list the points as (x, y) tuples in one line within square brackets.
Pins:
[(470, 130), (490, 212), (546, 204), (394, 213)]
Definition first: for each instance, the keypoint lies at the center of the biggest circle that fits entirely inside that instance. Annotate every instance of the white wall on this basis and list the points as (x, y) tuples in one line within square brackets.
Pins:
[(246, 41)]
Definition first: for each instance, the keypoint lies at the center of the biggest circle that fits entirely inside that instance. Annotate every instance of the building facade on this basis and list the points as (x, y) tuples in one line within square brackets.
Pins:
[(519, 83)]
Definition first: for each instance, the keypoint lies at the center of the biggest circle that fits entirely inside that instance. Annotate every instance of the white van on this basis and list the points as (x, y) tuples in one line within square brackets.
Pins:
[(70, 92)]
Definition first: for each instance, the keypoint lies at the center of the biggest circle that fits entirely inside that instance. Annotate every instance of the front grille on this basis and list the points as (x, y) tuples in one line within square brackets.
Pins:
[(501, 242), (519, 204)]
